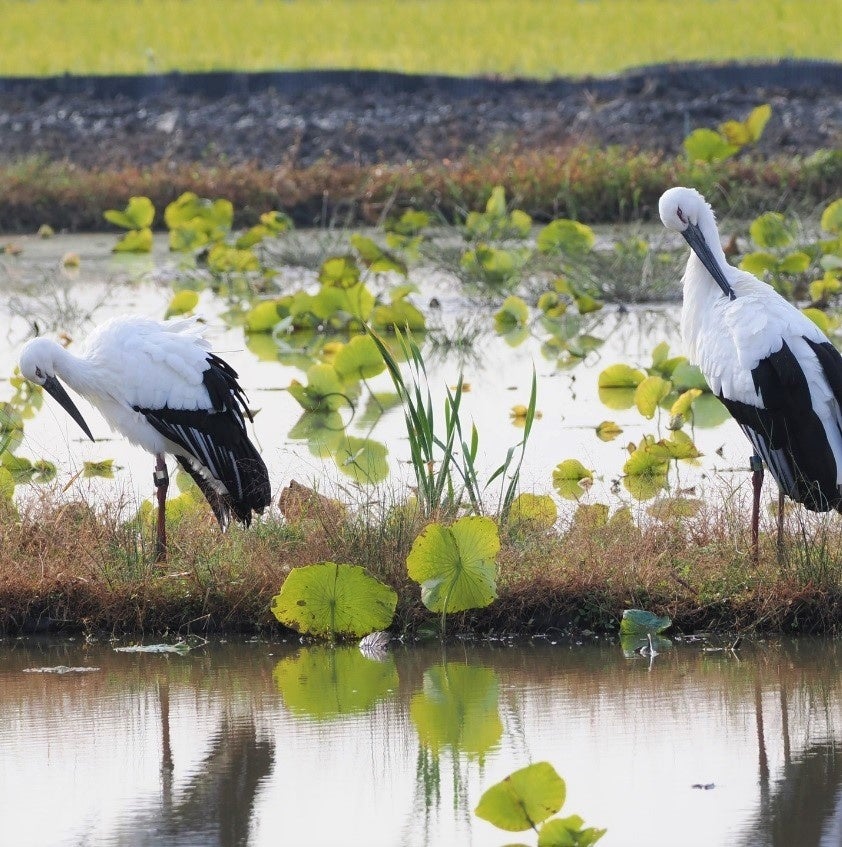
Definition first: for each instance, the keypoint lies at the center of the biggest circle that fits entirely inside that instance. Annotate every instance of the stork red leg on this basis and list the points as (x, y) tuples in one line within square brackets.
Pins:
[(162, 483), (756, 464)]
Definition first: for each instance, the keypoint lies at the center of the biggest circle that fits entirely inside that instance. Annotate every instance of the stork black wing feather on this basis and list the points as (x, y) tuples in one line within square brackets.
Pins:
[(216, 439), (787, 432)]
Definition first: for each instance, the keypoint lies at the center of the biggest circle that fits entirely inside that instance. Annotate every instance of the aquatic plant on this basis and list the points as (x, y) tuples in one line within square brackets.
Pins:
[(456, 565), (330, 600), (526, 799), (709, 146), (137, 218)]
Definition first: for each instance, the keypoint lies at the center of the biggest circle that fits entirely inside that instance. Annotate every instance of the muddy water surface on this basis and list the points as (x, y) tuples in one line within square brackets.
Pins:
[(268, 743)]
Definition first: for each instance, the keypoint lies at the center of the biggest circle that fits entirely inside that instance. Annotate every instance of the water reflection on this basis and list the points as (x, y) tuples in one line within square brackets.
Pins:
[(262, 743)]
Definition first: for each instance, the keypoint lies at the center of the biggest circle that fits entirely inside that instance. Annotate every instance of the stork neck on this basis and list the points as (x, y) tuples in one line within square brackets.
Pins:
[(76, 371)]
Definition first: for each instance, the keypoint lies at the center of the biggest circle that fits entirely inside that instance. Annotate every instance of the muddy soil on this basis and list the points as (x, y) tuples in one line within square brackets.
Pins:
[(370, 118)]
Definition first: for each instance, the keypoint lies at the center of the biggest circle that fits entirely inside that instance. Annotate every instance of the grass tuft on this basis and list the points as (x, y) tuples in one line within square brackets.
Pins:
[(68, 566)]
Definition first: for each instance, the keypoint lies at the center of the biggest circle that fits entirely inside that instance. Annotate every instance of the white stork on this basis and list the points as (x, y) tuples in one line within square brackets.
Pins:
[(159, 385), (773, 368)]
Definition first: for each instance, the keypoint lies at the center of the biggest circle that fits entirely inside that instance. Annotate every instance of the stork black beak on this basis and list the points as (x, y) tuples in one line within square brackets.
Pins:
[(693, 236), (53, 387)]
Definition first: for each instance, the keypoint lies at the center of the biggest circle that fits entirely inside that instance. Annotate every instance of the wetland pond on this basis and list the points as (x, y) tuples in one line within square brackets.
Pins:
[(266, 743), (361, 454)]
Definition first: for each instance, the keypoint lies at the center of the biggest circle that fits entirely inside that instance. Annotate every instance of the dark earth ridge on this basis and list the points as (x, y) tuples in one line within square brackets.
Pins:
[(369, 117)]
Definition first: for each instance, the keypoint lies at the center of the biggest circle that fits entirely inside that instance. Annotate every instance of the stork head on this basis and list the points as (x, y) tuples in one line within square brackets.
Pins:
[(684, 210), (38, 364)]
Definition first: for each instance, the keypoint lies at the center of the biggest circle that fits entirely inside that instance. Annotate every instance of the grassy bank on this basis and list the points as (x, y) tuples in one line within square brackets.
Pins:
[(539, 38), (589, 184), (69, 567)]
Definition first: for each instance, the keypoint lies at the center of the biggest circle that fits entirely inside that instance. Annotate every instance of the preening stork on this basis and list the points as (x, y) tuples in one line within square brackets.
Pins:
[(159, 385), (773, 368)]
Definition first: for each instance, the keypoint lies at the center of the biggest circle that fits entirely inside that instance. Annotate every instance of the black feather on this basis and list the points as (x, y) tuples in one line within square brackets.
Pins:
[(217, 441), (788, 433)]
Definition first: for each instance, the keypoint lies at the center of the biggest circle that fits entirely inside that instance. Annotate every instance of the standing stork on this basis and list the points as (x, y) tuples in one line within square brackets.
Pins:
[(773, 368), (159, 385)]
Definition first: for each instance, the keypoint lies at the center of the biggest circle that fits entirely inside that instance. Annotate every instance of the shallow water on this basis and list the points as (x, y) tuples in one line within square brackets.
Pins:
[(44, 293), (267, 743)]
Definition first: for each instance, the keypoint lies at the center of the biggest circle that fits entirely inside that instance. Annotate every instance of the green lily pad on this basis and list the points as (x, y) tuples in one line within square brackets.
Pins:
[(328, 599), (535, 510), (138, 214), (566, 236), (455, 565), (135, 241), (359, 359), (182, 302), (524, 799), (650, 393), (362, 459)]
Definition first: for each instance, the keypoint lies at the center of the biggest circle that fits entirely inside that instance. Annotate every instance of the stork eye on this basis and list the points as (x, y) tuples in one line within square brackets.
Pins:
[(38, 373), (680, 215)]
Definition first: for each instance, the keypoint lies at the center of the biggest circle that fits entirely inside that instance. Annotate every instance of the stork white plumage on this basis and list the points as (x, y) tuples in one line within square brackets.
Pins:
[(776, 372), (159, 385)]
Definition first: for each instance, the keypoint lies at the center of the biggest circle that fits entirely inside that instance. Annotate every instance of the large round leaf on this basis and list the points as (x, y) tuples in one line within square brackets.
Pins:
[(359, 359), (325, 683), (455, 565), (329, 599), (362, 459), (524, 798)]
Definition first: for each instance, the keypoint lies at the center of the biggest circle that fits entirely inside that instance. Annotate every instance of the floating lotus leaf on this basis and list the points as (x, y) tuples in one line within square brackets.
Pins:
[(135, 241), (411, 222), (832, 217), (524, 798), (757, 120), (513, 313), (339, 272), (375, 258), (325, 683), (324, 391), (103, 469), (567, 478), (568, 832), (536, 510), (566, 236), (222, 258), (670, 508), (617, 399), (608, 431), (686, 376), (400, 315), (362, 459), (183, 301), (819, 318), (680, 446), (650, 393), (138, 214), (772, 229), (359, 359), (620, 376), (455, 565), (263, 316), (328, 599), (707, 145), (322, 430), (457, 709), (682, 405)]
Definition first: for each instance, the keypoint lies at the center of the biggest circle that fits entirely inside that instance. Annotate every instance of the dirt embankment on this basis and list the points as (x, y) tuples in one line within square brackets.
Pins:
[(378, 118)]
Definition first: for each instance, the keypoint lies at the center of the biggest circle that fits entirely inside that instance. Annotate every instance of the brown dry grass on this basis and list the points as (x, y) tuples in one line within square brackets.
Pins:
[(589, 184), (67, 565)]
